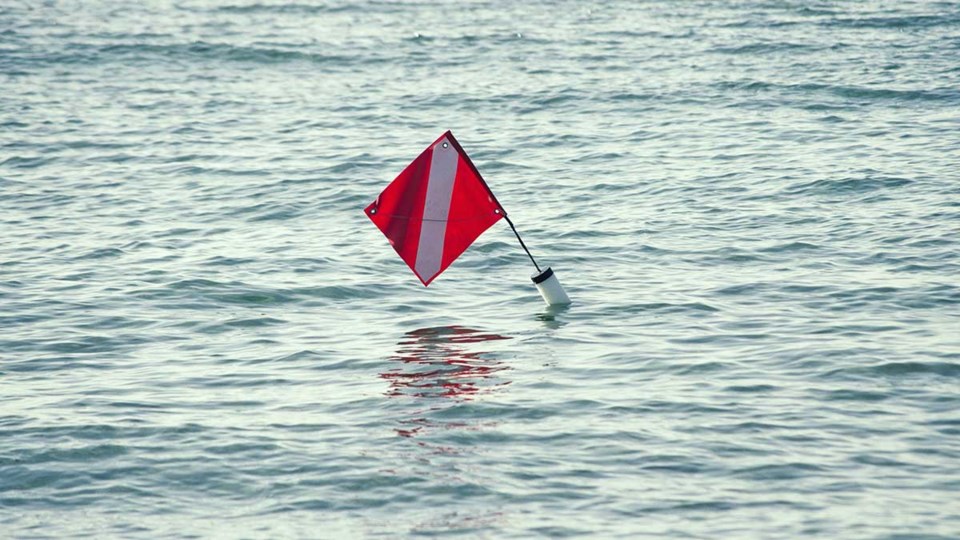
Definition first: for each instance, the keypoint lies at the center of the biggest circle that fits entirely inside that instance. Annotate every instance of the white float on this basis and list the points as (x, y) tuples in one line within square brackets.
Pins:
[(550, 288)]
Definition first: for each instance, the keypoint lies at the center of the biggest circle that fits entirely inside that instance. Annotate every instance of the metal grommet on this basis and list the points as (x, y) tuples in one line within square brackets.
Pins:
[(373, 210), (445, 145)]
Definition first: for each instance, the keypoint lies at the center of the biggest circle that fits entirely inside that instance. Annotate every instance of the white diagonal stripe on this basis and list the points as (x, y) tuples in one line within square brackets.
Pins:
[(443, 170)]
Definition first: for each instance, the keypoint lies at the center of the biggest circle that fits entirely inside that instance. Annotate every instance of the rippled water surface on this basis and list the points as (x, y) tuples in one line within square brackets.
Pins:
[(754, 204)]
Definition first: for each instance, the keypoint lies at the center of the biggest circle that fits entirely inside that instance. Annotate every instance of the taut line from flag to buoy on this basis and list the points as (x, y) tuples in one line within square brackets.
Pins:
[(524, 246), (437, 206)]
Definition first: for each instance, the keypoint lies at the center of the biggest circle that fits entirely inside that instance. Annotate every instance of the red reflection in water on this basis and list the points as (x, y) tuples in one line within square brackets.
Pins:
[(435, 364)]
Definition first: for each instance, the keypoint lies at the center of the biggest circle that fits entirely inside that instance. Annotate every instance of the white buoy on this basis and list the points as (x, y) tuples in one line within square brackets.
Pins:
[(550, 288)]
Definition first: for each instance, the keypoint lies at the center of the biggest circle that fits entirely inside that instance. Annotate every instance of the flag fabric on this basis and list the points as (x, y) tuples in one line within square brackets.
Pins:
[(435, 208)]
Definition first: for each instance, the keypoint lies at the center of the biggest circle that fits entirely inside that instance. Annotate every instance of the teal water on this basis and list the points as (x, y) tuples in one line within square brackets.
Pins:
[(755, 206)]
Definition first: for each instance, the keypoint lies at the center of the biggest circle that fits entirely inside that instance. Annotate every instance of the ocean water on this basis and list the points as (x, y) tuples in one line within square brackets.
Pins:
[(754, 204)]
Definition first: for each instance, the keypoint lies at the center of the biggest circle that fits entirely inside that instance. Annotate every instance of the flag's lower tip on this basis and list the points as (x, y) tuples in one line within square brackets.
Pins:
[(550, 288)]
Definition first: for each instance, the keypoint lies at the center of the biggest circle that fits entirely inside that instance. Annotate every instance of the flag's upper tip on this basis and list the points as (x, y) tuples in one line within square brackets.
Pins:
[(446, 137)]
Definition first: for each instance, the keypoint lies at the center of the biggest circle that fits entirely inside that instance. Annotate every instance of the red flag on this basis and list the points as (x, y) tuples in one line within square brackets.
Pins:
[(435, 208)]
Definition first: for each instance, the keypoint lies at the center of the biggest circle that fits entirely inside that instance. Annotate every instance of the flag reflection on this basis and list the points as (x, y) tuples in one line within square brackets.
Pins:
[(439, 363)]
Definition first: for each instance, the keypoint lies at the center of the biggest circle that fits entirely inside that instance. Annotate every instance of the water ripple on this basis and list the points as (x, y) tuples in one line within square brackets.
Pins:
[(752, 204)]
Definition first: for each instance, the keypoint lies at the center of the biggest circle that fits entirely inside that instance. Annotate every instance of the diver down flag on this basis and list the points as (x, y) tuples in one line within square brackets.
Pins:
[(435, 208)]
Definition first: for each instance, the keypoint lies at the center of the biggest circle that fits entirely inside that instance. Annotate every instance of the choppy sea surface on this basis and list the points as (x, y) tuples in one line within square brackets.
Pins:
[(754, 204)]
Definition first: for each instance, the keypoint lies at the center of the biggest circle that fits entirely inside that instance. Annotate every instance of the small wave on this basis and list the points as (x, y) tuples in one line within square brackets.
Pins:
[(693, 308), (845, 186), (213, 294), (337, 292), (286, 8), (26, 162), (220, 260), (306, 356), (193, 284), (270, 211), (762, 48), (902, 22), (553, 99), (789, 247), (898, 297), (752, 388), (944, 94), (741, 289), (80, 345), (815, 12), (252, 298), (912, 368), (700, 368), (81, 53), (833, 119), (855, 395), (785, 471), (81, 454), (901, 369), (101, 253), (253, 322)]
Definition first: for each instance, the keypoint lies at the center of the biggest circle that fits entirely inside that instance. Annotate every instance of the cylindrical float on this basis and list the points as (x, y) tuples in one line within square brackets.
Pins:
[(550, 288)]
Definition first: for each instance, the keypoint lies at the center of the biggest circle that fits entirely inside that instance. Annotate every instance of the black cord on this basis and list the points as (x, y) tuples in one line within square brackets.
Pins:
[(524, 246)]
